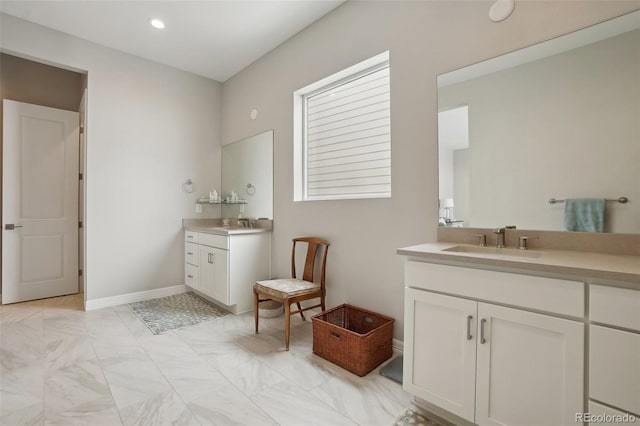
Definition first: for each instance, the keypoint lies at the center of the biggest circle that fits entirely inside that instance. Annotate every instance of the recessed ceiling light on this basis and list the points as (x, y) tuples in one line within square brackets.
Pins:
[(157, 23)]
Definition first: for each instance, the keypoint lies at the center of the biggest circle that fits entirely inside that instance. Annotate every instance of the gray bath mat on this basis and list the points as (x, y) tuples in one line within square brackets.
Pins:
[(175, 312), (412, 417), (393, 370)]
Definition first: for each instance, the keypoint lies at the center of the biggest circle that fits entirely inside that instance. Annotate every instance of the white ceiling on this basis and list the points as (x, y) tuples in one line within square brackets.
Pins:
[(214, 38)]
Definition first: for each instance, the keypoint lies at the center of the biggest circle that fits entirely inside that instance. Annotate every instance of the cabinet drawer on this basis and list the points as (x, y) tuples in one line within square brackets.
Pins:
[(615, 306), (191, 276), (191, 253), (614, 367), (214, 240), (190, 236), (545, 294), (607, 416)]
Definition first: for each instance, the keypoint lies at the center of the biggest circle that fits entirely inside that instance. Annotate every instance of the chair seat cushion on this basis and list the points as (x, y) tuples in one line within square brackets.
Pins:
[(285, 287)]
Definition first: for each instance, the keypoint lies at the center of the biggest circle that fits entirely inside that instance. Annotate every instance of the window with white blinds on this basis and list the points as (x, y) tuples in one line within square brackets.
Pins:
[(347, 137)]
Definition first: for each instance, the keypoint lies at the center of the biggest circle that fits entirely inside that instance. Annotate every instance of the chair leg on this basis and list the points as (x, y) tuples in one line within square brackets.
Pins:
[(301, 313), (287, 323), (256, 304), (322, 305)]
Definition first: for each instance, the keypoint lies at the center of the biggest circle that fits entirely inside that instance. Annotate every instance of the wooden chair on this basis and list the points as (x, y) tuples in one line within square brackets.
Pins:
[(295, 290)]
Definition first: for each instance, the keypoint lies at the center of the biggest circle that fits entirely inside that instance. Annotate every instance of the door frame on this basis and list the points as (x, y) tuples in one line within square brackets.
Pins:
[(83, 160), (82, 195)]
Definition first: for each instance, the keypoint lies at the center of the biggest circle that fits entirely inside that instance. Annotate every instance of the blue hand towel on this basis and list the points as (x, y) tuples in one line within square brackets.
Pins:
[(584, 214)]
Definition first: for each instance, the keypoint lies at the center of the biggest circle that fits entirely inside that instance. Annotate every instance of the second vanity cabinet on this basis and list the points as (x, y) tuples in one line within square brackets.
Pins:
[(214, 268), (614, 350), (469, 354), (225, 267)]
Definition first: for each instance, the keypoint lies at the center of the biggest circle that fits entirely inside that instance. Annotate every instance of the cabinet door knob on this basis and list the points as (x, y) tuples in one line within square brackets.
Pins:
[(190, 276), (482, 339), (469, 336)]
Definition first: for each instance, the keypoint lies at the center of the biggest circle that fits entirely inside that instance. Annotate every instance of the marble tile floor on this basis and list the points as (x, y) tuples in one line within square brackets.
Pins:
[(60, 365)]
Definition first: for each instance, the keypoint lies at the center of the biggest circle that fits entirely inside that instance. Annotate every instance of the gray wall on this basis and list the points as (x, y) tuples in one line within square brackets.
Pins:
[(424, 39), (28, 81)]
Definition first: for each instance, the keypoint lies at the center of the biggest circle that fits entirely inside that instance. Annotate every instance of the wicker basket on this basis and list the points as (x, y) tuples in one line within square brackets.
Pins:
[(353, 338)]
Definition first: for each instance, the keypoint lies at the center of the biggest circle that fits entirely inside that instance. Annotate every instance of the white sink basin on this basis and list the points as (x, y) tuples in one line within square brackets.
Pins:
[(495, 252)]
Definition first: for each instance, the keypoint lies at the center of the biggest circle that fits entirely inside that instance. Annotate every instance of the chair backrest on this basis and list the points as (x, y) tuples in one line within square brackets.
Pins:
[(313, 244)]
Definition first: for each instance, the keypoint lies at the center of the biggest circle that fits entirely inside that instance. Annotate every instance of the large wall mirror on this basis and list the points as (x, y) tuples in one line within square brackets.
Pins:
[(557, 120), (247, 169)]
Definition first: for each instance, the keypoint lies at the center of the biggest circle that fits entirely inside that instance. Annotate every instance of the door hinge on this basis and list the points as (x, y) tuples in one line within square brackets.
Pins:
[(80, 224), (80, 176), (79, 272), (81, 130)]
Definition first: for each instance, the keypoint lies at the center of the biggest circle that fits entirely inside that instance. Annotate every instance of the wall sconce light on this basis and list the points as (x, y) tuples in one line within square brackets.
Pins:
[(501, 10)]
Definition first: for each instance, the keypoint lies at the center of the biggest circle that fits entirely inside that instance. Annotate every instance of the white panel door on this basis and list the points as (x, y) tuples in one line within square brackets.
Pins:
[(440, 350), (40, 202), (530, 368)]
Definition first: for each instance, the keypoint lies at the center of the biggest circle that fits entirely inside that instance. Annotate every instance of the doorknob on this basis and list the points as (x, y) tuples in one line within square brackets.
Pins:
[(11, 226)]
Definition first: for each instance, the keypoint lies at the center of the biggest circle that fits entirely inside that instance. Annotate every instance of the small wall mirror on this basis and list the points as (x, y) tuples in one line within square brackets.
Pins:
[(557, 120), (247, 169)]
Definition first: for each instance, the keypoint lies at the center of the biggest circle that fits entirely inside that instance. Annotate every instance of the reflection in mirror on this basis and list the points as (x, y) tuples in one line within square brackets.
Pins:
[(247, 169), (556, 120)]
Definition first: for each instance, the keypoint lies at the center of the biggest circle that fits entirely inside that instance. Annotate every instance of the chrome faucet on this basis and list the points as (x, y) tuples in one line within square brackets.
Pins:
[(500, 237)]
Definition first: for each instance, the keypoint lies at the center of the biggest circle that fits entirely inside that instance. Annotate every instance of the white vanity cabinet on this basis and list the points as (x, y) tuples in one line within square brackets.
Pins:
[(439, 357), (224, 268), (493, 364), (191, 259), (614, 348), (214, 277)]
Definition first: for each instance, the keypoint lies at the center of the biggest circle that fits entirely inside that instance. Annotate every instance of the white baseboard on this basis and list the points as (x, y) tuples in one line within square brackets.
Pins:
[(139, 296), (398, 345)]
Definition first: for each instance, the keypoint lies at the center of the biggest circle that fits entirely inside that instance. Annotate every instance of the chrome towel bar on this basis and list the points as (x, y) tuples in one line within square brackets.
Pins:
[(621, 200)]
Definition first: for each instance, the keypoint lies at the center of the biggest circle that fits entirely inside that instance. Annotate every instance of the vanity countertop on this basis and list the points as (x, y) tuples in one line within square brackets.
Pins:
[(582, 265), (232, 227), (226, 230)]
